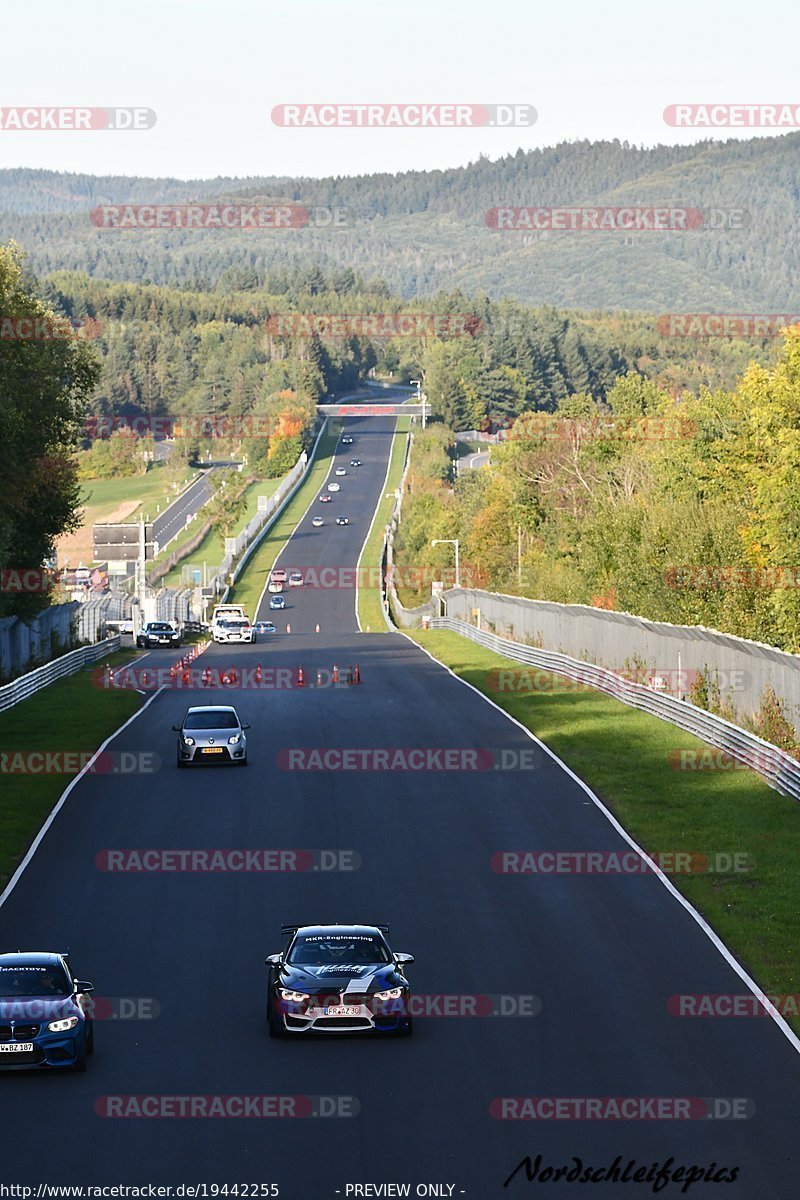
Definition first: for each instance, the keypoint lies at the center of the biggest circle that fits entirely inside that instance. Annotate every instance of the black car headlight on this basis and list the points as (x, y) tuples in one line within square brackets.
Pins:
[(63, 1025)]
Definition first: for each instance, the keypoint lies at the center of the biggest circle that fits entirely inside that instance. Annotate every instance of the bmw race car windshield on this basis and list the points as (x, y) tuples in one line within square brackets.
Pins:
[(318, 950), (160, 627), (34, 980), (211, 718)]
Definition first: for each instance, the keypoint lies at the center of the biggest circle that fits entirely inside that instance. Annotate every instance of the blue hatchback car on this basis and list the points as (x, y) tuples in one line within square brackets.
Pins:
[(277, 602), (43, 1017)]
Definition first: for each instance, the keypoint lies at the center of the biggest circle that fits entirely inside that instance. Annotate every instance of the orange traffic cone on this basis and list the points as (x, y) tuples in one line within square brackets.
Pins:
[(258, 672), (173, 671), (356, 675), (335, 674), (301, 679), (233, 675)]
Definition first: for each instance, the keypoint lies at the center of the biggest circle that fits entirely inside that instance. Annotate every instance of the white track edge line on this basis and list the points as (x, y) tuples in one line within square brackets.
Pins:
[(37, 841), (713, 937)]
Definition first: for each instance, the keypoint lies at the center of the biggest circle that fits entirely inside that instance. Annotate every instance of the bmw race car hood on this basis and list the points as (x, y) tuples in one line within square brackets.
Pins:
[(341, 977), (37, 1008)]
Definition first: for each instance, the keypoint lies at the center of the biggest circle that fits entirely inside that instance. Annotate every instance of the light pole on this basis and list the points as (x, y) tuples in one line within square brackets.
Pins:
[(450, 542), (420, 398)]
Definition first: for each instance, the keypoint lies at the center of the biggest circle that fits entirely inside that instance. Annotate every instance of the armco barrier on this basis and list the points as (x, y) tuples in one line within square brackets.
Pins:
[(67, 664), (779, 769)]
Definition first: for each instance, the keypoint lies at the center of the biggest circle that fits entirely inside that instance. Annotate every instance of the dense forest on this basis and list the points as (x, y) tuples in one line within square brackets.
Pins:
[(425, 231), (682, 509)]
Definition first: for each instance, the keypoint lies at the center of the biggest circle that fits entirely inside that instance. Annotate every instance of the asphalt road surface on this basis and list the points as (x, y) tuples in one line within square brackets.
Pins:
[(172, 521), (601, 954)]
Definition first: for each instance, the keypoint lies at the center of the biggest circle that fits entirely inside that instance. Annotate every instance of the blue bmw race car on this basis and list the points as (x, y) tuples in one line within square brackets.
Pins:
[(337, 979), (43, 1022)]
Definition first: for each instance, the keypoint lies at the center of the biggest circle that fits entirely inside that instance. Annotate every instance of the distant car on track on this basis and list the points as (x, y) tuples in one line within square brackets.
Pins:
[(276, 602), (341, 471), (347, 441), (337, 979), (317, 522), (275, 586), (158, 633), (296, 579), (325, 499), (44, 1020), (233, 629), (264, 627), (333, 486), (211, 734), (356, 462), (342, 521)]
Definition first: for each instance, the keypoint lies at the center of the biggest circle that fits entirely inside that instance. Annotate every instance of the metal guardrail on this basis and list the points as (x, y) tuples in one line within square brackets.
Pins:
[(68, 664), (778, 768)]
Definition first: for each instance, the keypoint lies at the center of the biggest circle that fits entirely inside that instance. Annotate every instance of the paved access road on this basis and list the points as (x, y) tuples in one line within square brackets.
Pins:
[(601, 954)]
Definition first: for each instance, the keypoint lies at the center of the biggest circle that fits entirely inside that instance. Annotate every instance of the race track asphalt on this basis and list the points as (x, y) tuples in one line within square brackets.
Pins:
[(600, 954)]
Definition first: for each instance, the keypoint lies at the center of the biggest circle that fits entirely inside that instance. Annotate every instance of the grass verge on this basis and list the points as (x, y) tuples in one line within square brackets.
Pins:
[(370, 610), (623, 755), (250, 584), (71, 716)]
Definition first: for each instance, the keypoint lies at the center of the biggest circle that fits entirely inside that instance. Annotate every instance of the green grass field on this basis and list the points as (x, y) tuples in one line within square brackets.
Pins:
[(370, 612), (72, 715), (104, 496), (251, 581), (624, 756)]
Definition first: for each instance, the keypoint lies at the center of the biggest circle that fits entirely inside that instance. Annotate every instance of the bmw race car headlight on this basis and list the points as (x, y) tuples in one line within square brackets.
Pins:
[(296, 997), (391, 994), (187, 741), (233, 740), (63, 1025)]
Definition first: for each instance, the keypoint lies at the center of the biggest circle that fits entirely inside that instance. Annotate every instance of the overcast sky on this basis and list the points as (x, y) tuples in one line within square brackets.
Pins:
[(213, 71)]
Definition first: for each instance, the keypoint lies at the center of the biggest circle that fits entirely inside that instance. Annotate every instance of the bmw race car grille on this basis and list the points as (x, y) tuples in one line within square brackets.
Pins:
[(342, 1023), (354, 998), (25, 1033), (5, 1033)]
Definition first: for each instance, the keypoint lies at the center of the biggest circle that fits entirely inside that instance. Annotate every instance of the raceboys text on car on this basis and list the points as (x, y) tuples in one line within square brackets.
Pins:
[(45, 1016), (337, 979), (211, 734)]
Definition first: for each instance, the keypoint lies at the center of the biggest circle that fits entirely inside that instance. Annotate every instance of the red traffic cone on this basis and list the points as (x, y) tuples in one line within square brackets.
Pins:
[(258, 672), (356, 675), (335, 674), (233, 674), (301, 679)]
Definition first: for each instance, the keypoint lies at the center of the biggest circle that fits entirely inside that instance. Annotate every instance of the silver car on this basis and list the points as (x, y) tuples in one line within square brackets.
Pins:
[(211, 733)]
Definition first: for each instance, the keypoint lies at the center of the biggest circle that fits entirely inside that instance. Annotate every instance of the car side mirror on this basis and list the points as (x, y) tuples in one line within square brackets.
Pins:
[(177, 728), (246, 725), (402, 959), (82, 986), (273, 960)]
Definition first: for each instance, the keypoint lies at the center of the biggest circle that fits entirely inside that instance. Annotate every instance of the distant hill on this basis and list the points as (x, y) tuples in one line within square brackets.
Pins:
[(426, 230)]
